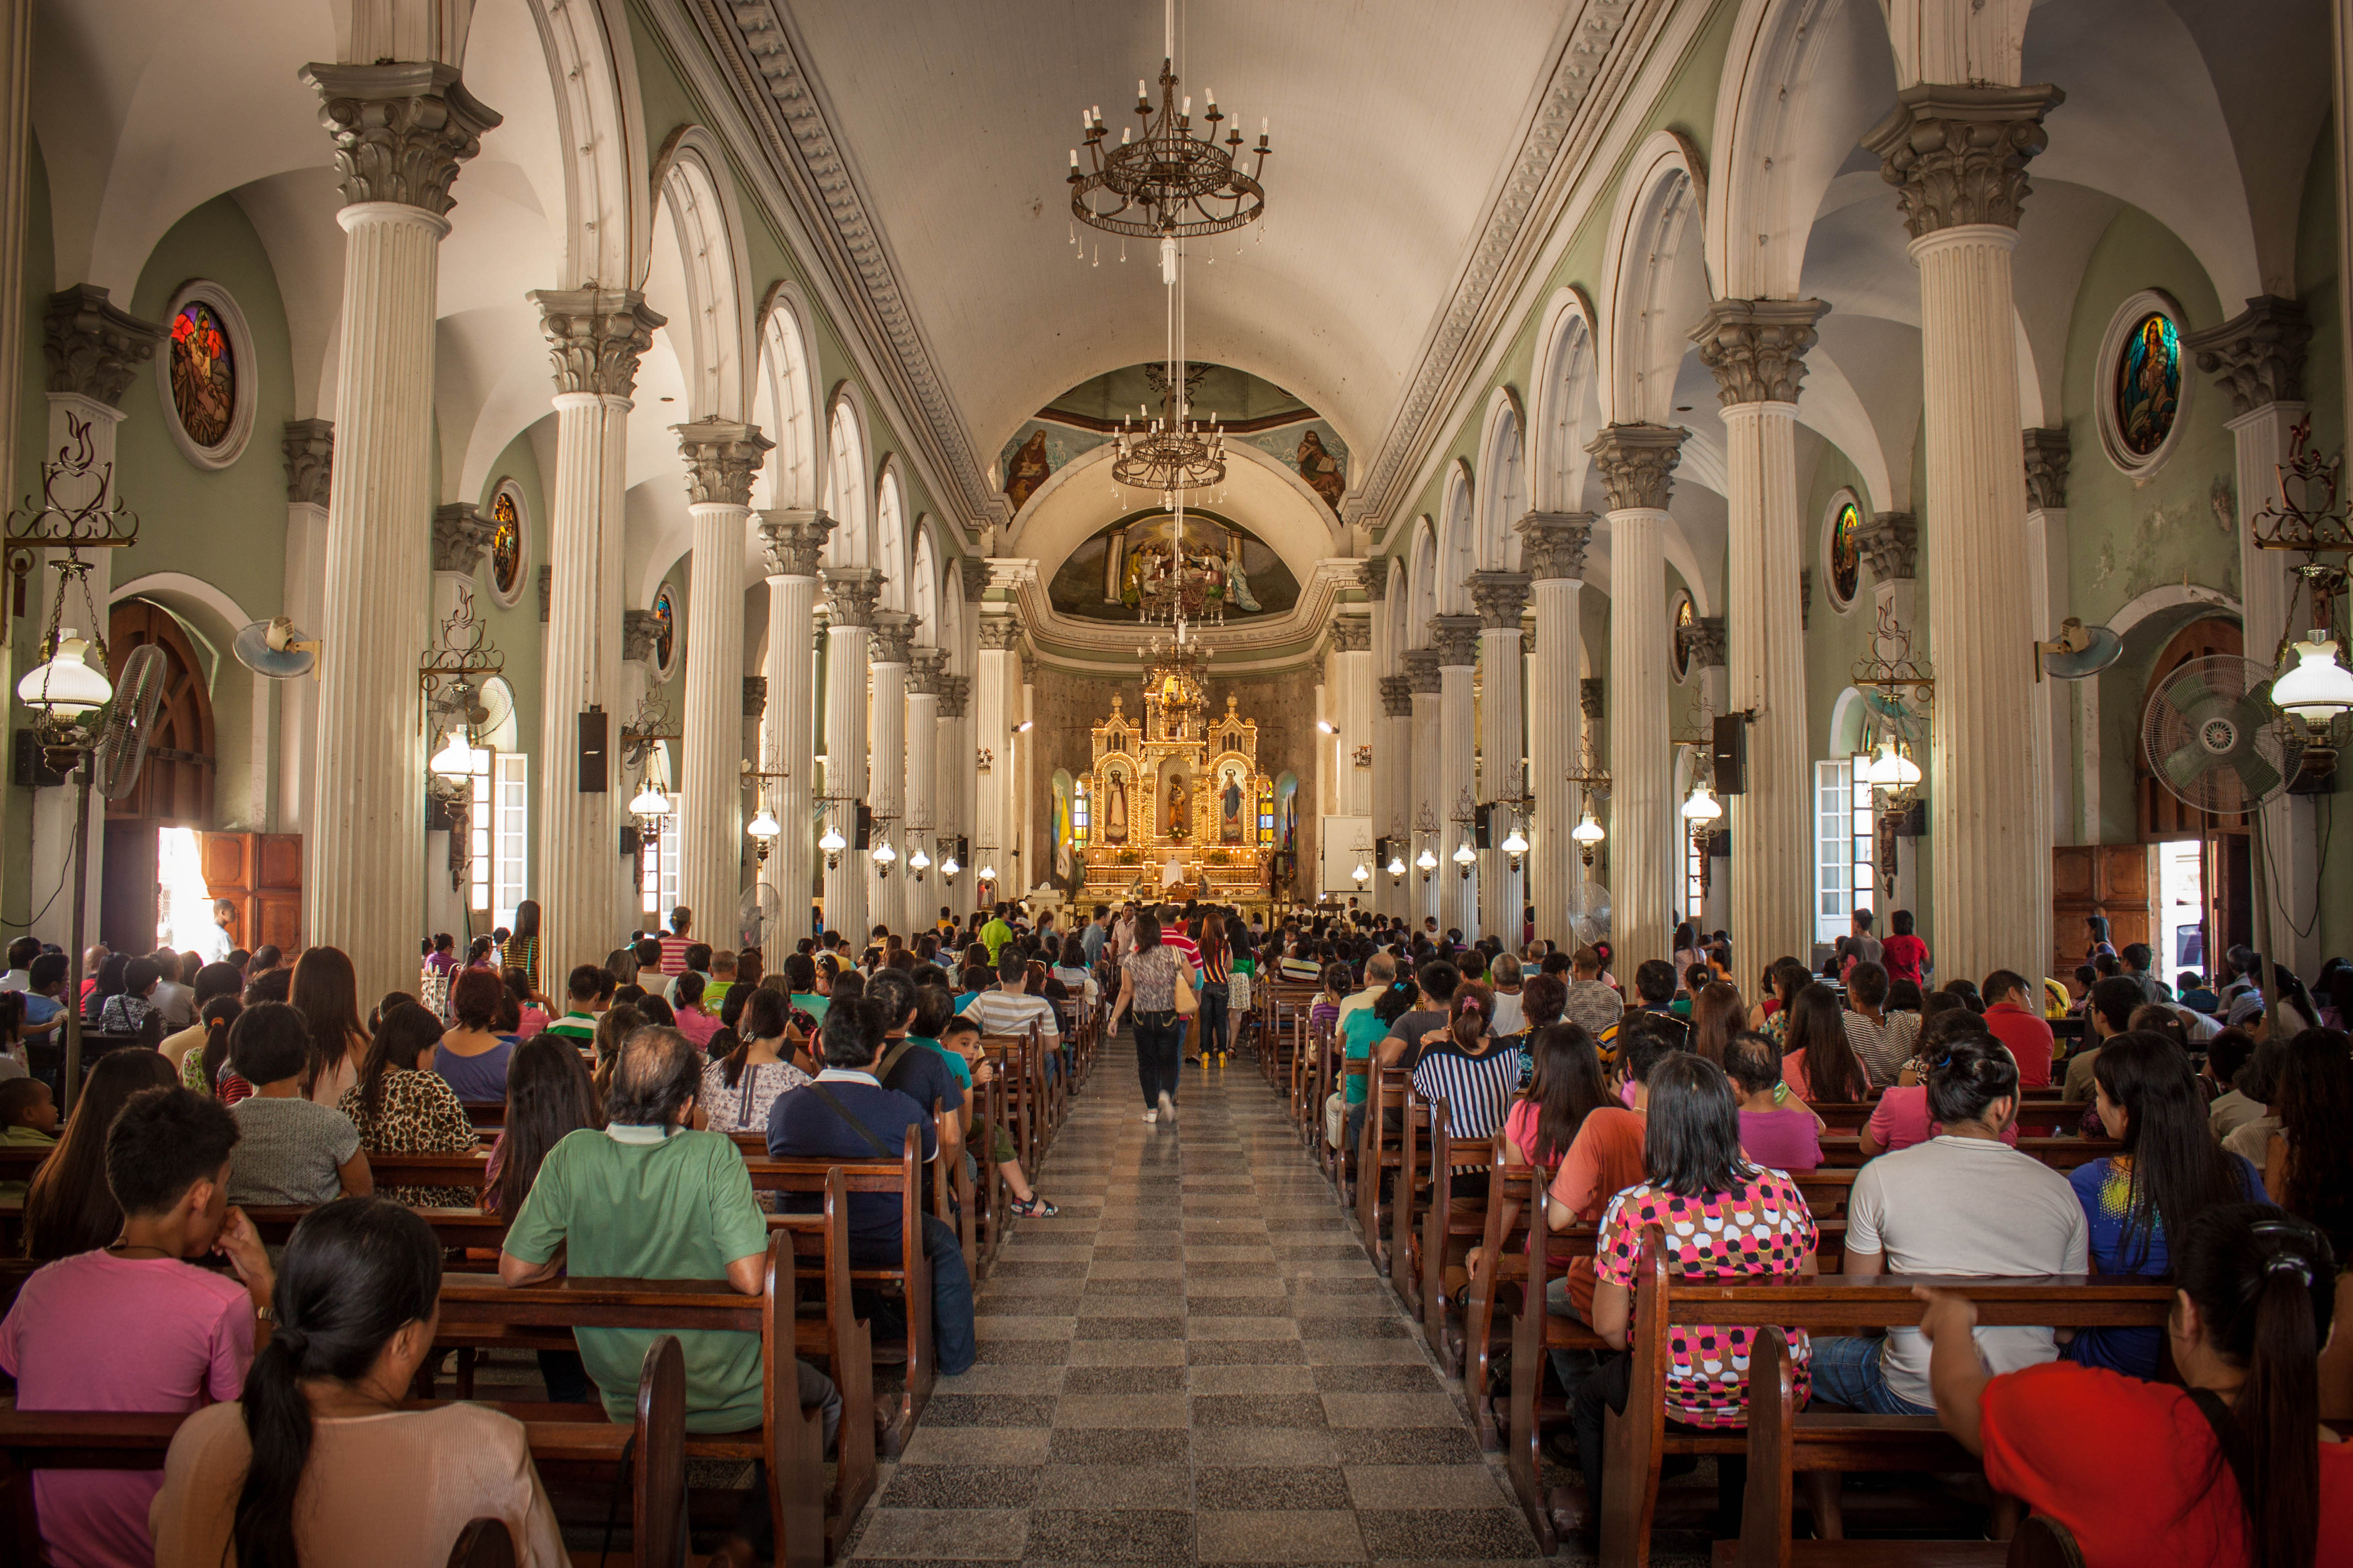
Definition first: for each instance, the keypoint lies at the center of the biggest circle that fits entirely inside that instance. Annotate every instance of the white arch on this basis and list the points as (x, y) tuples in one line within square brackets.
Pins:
[(1649, 263), (1422, 585), (1396, 610), (608, 216), (1457, 550), (1565, 408), (245, 738), (851, 543), (890, 535), (707, 229), (785, 401), (1504, 499), (923, 596)]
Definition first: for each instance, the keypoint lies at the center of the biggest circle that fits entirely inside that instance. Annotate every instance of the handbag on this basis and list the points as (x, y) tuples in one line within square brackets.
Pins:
[(1187, 1003)]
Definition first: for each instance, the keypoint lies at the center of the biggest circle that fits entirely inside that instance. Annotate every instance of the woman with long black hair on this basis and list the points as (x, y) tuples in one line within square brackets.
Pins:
[(520, 950), (68, 1207), (2308, 1165), (1820, 1066), (2229, 1467), (319, 1462), (2169, 1172), (326, 991)]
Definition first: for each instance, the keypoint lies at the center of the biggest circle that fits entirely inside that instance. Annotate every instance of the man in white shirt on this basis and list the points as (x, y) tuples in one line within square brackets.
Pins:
[(1380, 973), (214, 942), (21, 953), (1508, 1019), (1010, 1009)]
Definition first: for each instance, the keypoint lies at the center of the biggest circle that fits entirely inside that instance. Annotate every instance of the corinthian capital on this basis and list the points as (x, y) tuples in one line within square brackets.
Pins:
[(1000, 634), (1352, 633), (1454, 639), (1501, 598), (2047, 453), (2257, 355), (1703, 643), (92, 347), (460, 535), (1957, 154), (1553, 543), (1891, 543), (641, 635), (794, 540), (1396, 697), (973, 573), (927, 671), (720, 455), (1422, 678), (1757, 347), (955, 691), (850, 593), (400, 130), (1378, 572), (310, 447), (597, 336), (1635, 462), (894, 632)]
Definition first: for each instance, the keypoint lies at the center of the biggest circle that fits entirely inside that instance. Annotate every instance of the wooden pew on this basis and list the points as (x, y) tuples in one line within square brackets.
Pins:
[(1843, 1150), (2043, 1118), (1411, 1196), (1378, 1152), (31, 1441)]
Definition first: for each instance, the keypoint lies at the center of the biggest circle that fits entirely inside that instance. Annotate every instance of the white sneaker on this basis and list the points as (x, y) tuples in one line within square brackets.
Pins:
[(1152, 1115), (1167, 1108)]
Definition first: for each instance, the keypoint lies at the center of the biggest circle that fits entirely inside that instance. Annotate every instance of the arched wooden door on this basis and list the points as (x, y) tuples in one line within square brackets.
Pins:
[(175, 784)]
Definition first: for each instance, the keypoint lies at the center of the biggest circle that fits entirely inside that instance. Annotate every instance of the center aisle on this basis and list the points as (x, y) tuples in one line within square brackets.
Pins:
[(1193, 1362)]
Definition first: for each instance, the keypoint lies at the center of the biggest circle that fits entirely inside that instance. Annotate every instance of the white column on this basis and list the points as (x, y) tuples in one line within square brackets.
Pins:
[(997, 689), (850, 593), (956, 779), (1393, 801), (794, 540), (92, 351), (1646, 847), (1501, 598), (1757, 349), (2053, 712), (886, 757), (1990, 827), (1352, 664), (1890, 544), (310, 448), (920, 901), (597, 335), (721, 458), (1028, 835), (1456, 640), (1425, 816), (2258, 357), (400, 131), (1552, 549)]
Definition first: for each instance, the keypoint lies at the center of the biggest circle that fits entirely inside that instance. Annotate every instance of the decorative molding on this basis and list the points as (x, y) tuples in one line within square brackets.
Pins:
[(1757, 347), (1352, 633), (927, 672), (1590, 699), (1378, 574), (1704, 643), (850, 593), (955, 691), (794, 540), (597, 336), (1635, 461), (400, 130), (1396, 697), (546, 591), (1891, 543), (894, 635), (1420, 673), (1028, 667), (1553, 543), (460, 535), (1958, 155), (1501, 598), (1805, 597), (973, 574), (310, 448), (1454, 640), (1586, 57), (755, 696), (640, 631), (2257, 355), (2047, 455), (722, 456), (91, 347), (1000, 634)]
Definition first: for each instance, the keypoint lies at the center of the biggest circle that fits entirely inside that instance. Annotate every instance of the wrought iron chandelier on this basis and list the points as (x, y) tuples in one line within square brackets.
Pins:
[(1170, 185)]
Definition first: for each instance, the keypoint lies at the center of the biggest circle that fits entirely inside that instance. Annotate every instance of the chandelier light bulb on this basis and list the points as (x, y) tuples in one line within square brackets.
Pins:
[(2318, 687)]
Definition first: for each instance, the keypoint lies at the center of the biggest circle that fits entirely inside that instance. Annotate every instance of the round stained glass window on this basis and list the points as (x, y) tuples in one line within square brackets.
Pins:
[(665, 628), (1678, 651), (2148, 394), (506, 545), (204, 374), (1846, 553)]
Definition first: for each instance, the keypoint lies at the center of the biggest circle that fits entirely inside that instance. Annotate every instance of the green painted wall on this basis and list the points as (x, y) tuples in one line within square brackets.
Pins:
[(516, 630), (2319, 287), (32, 437)]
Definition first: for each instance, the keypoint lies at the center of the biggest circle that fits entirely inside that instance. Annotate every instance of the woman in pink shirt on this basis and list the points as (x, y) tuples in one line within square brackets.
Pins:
[(693, 1022)]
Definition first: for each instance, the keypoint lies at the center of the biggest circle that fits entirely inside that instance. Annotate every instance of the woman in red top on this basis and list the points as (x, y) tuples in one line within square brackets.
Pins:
[(1903, 956), (2232, 1468)]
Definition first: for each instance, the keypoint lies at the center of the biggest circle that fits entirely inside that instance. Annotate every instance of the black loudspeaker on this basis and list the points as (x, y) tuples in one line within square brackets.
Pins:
[(962, 850), (865, 837), (1482, 829), (29, 769), (593, 769), (631, 841), (1380, 851), (1730, 754)]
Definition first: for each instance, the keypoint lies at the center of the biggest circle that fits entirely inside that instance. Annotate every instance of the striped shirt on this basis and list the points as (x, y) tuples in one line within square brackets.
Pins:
[(1477, 1090), (1012, 1012), (1175, 937), (673, 954)]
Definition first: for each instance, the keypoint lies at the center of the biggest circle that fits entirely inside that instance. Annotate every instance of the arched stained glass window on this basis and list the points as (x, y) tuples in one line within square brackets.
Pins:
[(1846, 553), (2147, 393), (666, 632), (1678, 650), (204, 374), (506, 545)]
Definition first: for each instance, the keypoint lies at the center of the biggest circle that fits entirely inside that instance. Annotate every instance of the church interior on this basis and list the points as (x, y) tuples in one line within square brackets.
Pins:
[(1554, 474)]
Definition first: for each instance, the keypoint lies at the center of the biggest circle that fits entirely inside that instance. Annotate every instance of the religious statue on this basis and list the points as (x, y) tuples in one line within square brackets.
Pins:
[(1320, 470), (1238, 588), (1028, 469), (1177, 801), (1116, 810), (1230, 822)]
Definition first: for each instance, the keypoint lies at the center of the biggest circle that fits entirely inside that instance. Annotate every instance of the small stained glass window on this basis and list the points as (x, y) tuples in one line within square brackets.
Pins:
[(204, 374), (1679, 654), (2148, 384), (1846, 553), (506, 545), (665, 627)]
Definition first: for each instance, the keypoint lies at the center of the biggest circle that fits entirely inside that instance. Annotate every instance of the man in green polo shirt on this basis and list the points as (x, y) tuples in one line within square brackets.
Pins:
[(995, 934), (590, 992), (647, 1197)]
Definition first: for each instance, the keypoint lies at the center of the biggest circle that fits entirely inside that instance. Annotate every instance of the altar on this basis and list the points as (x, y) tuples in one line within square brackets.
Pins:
[(1175, 805)]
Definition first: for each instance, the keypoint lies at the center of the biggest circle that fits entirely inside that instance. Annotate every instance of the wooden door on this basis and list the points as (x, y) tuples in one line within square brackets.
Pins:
[(2118, 880), (261, 874), (175, 784)]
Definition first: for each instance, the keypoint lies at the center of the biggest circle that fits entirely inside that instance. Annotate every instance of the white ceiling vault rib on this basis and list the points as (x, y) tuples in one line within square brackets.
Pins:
[(760, 48), (1597, 47)]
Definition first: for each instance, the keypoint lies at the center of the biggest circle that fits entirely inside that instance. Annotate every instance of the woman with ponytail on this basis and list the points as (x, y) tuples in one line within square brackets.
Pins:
[(202, 1069), (319, 1463), (2229, 1469), (1476, 1074)]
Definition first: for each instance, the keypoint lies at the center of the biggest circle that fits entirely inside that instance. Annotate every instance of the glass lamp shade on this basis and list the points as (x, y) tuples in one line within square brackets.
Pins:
[(1463, 854), (65, 686), (1513, 844), (2318, 688), (764, 825), (455, 760), (1396, 866), (1702, 806), (989, 873), (1362, 874), (948, 868), (1587, 832), (1425, 860), (918, 860), (833, 843), (883, 854), (650, 802), (1891, 769)]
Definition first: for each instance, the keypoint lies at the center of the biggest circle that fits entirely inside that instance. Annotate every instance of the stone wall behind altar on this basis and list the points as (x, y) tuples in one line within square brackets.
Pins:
[(1070, 706)]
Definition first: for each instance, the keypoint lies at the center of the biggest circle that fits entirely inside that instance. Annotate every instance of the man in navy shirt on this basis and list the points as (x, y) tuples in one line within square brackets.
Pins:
[(844, 1115)]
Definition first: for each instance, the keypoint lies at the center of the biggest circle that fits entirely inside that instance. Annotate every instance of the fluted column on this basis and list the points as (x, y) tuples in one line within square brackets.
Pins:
[(1958, 156), (1501, 598), (399, 133), (850, 593), (1552, 549), (794, 540), (1426, 819), (1890, 543), (597, 336), (918, 902), (886, 757), (1646, 847), (956, 781), (1455, 639), (1705, 658), (2047, 576), (996, 689), (310, 449), (2258, 358), (721, 458), (1393, 791), (1352, 670), (1757, 349)]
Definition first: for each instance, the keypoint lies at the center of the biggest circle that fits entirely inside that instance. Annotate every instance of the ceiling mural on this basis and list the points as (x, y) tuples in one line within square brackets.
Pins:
[(1247, 408), (1104, 578)]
